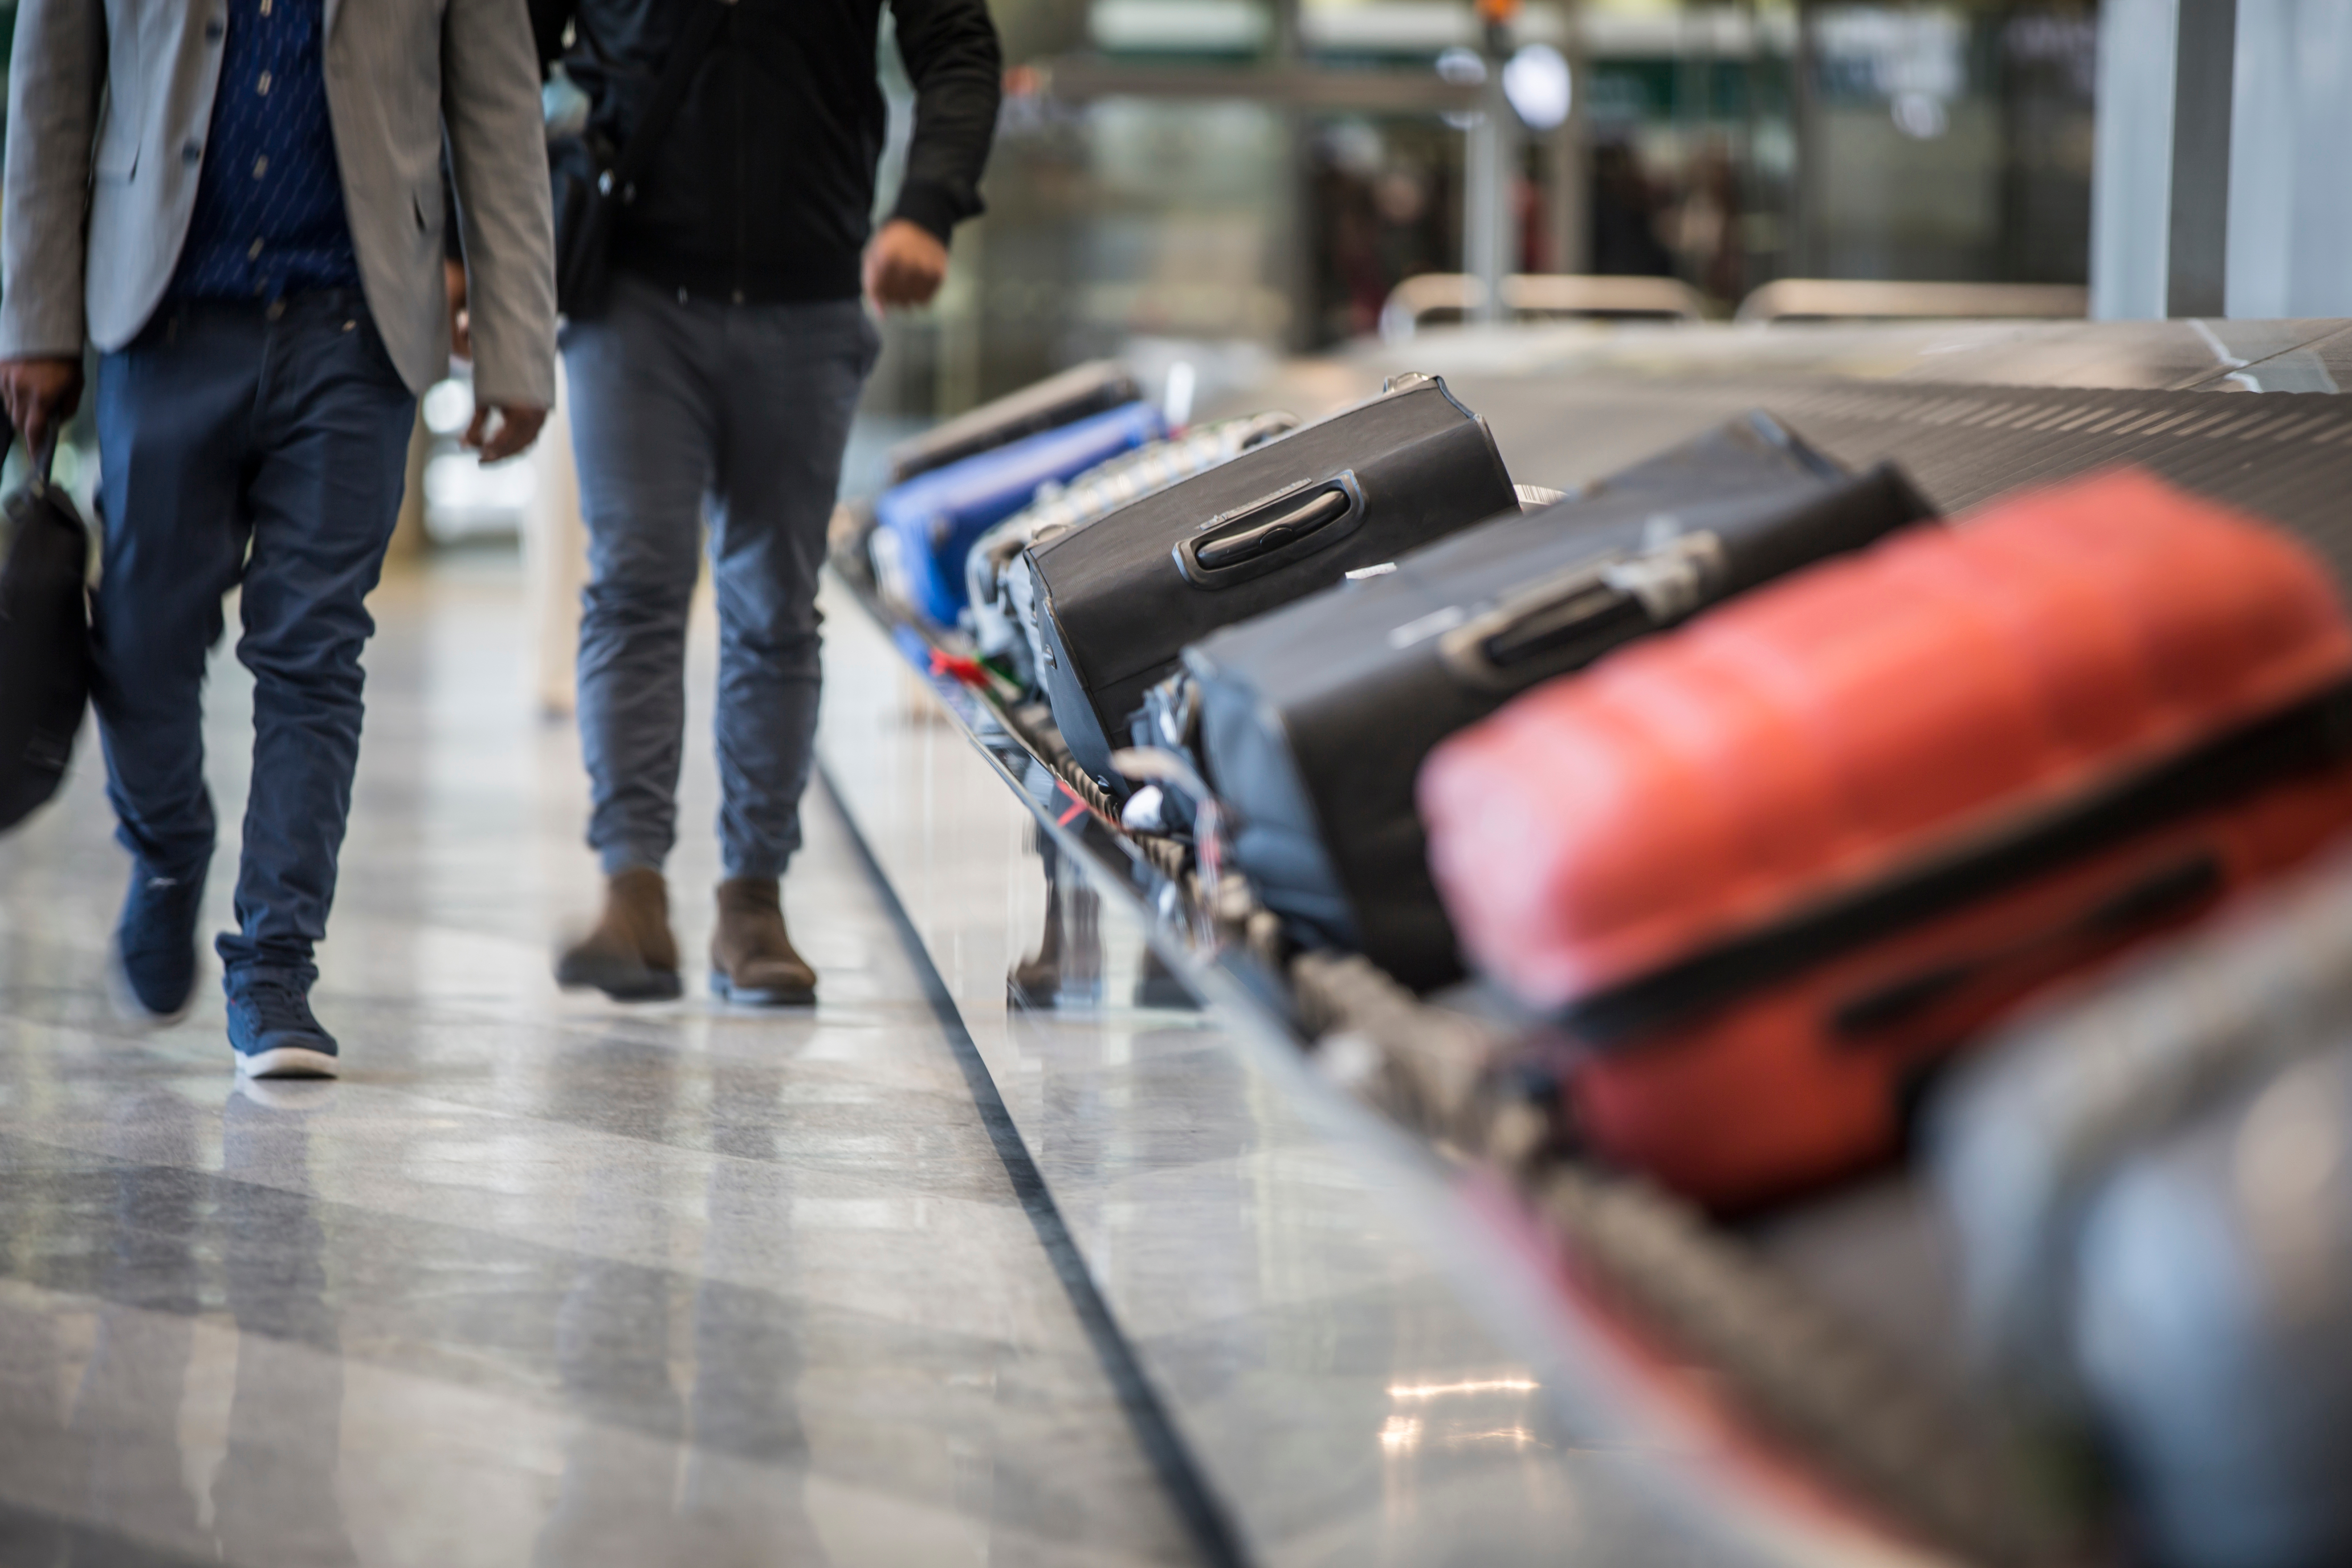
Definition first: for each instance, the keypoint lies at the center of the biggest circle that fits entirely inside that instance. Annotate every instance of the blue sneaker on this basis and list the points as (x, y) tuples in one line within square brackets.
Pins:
[(271, 1025), (150, 966)]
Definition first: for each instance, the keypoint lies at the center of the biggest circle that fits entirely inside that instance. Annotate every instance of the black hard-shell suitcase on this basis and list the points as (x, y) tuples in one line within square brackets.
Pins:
[(44, 644), (1116, 602), (1091, 388), (1313, 719)]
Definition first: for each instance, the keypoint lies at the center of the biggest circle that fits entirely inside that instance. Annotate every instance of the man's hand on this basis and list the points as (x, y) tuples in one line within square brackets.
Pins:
[(40, 394), (905, 265), (518, 428), (461, 320)]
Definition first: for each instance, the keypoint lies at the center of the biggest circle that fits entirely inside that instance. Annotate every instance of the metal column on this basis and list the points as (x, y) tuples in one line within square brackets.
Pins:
[(2161, 196), (1490, 166), (2197, 238)]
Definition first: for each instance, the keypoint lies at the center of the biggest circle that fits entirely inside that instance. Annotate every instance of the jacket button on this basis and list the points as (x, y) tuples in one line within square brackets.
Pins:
[(213, 29), (191, 151)]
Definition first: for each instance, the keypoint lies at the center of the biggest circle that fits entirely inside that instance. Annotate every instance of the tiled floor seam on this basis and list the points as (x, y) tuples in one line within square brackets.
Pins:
[(1203, 1512)]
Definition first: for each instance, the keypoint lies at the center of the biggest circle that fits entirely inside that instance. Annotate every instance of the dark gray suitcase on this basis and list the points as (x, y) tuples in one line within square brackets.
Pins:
[(1314, 720), (2214, 1322), (1116, 602), (2022, 1137), (1094, 388)]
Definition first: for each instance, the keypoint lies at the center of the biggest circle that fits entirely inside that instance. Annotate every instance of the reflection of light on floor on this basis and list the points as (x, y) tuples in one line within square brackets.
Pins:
[(1438, 1390), (1517, 1436), (1402, 1432)]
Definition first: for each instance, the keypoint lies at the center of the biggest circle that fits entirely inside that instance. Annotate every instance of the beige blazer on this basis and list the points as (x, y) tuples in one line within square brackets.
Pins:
[(109, 104)]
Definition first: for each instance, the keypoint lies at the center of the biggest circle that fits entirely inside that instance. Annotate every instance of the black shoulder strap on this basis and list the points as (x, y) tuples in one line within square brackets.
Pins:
[(694, 42)]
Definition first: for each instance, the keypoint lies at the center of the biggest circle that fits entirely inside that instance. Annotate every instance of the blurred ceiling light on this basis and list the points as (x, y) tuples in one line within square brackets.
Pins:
[(1416, 27), (1536, 82), (1401, 1432), (1176, 401), (1920, 114), (1462, 67), (1181, 26)]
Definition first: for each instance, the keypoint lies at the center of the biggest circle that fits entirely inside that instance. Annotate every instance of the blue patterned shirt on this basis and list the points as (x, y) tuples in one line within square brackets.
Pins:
[(269, 217)]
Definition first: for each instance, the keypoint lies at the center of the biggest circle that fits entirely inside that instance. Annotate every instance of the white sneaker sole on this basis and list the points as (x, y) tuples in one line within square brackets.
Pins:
[(125, 1000), (288, 1061)]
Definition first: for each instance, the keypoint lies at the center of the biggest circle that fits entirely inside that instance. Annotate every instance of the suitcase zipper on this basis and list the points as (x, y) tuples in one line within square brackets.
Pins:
[(2311, 736), (2174, 890)]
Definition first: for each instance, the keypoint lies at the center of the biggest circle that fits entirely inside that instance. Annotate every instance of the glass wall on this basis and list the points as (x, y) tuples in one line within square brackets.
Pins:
[(1220, 179)]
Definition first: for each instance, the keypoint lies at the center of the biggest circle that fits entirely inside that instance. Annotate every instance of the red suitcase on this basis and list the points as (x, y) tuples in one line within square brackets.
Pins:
[(1770, 866)]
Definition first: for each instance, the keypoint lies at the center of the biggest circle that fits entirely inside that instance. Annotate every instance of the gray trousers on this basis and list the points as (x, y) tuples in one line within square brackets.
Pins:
[(683, 407)]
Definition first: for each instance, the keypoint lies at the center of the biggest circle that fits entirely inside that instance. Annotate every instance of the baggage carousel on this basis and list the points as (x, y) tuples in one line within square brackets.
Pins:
[(1349, 1341)]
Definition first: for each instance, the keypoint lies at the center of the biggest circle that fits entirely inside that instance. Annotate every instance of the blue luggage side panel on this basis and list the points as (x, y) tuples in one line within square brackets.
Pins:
[(935, 519)]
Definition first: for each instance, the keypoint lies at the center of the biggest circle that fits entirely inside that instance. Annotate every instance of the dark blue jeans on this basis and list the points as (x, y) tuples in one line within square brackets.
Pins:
[(681, 406), (263, 447)]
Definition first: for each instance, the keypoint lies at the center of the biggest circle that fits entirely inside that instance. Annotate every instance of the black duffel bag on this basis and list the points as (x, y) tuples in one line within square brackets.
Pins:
[(44, 642)]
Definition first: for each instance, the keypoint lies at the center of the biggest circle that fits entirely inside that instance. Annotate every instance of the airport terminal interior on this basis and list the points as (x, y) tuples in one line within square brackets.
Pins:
[(1583, 796)]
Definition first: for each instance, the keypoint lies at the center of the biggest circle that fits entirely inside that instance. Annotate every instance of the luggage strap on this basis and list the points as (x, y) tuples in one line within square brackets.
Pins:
[(2309, 737)]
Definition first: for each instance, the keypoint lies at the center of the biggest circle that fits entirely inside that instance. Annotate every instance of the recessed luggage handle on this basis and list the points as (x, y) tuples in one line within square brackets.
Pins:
[(1586, 610), (1259, 537), (1231, 549)]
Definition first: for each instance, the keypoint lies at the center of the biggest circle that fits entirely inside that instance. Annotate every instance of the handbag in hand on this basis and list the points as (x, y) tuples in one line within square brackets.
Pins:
[(594, 181), (44, 662)]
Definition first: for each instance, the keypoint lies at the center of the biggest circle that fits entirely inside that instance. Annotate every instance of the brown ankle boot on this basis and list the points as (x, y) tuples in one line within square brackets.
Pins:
[(752, 959), (631, 955)]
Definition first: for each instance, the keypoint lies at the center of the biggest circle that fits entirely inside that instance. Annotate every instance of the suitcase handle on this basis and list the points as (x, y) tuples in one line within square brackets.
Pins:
[(1575, 618), (1262, 536), (1233, 549)]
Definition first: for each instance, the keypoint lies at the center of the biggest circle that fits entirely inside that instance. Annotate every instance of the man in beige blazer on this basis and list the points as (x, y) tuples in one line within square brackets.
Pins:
[(239, 203)]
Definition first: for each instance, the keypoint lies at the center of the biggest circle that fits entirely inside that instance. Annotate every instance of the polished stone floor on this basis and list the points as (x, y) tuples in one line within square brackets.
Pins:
[(543, 1280)]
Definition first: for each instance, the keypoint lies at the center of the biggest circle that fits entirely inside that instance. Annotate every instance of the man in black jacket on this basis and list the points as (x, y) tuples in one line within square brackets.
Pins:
[(722, 371)]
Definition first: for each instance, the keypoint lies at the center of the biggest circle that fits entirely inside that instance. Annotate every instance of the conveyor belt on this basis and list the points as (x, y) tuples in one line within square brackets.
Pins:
[(1569, 411), (2286, 455)]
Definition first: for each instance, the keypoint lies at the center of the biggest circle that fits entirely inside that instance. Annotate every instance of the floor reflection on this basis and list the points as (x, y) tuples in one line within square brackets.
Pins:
[(1067, 969), (108, 1440), (121, 1429), (614, 1346), (273, 1498), (541, 1280)]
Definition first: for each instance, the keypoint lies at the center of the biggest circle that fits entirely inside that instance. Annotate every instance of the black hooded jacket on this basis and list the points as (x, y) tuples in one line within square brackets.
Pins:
[(763, 189)]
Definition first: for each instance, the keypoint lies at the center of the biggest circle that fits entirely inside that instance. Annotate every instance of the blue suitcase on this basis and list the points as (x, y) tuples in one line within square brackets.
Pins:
[(926, 527)]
